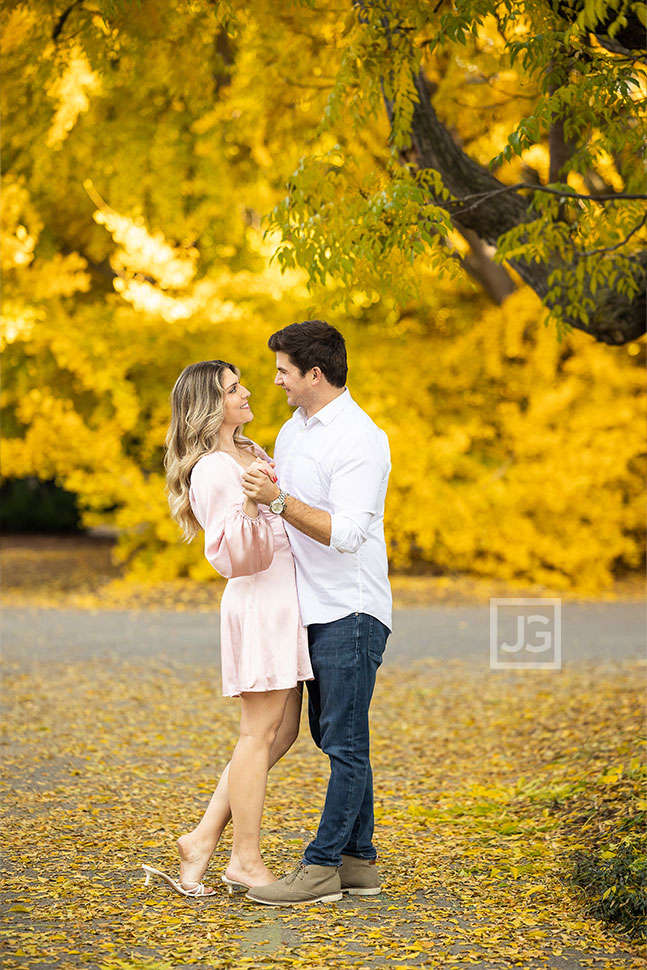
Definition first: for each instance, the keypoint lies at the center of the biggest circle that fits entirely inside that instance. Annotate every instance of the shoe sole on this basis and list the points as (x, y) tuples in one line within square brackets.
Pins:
[(332, 898), (374, 891)]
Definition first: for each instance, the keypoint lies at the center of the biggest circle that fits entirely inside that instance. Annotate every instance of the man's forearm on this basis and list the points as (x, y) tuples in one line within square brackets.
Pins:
[(314, 523)]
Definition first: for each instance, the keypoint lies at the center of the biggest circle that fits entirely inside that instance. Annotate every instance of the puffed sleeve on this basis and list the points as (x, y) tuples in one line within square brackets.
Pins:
[(234, 543)]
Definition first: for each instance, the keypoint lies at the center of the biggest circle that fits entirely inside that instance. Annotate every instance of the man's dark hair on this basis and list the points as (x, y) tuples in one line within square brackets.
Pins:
[(313, 343)]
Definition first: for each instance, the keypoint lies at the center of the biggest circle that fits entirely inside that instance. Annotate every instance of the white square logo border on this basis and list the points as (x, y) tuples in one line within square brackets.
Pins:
[(496, 663)]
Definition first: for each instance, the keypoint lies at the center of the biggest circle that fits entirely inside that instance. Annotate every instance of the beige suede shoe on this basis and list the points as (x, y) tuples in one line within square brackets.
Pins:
[(359, 877), (305, 884)]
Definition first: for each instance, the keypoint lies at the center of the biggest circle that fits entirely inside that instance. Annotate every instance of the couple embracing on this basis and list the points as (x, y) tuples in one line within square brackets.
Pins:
[(301, 540)]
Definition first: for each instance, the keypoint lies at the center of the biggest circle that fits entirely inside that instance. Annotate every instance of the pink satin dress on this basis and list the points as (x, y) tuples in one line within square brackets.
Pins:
[(263, 643)]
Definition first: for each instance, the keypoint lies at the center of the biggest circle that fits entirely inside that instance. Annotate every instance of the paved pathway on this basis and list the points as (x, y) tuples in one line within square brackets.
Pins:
[(590, 631)]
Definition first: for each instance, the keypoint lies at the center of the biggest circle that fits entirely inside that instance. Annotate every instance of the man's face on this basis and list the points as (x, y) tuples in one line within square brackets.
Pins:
[(297, 386)]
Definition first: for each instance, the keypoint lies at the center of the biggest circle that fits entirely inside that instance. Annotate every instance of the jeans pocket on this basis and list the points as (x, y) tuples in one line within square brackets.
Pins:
[(377, 637)]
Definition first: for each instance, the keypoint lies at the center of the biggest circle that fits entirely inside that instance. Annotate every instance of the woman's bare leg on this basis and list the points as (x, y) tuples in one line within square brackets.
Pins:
[(197, 847), (288, 730), (261, 716)]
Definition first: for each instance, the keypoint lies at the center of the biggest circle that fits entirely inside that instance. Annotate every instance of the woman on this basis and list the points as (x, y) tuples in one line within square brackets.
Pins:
[(264, 649)]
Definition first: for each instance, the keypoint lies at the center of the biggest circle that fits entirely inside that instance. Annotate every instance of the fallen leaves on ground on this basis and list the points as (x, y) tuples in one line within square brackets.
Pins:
[(482, 782)]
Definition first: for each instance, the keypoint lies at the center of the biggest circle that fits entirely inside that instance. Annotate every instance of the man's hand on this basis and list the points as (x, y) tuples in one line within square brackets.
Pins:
[(259, 485), (259, 482)]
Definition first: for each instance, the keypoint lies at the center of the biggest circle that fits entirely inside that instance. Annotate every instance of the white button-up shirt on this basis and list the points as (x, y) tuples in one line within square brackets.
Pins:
[(339, 461)]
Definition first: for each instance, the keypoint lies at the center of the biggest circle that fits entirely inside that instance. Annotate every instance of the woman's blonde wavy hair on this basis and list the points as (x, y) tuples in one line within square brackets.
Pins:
[(197, 411)]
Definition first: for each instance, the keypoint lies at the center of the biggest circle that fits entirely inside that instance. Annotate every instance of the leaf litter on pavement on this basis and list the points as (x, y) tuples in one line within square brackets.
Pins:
[(486, 785)]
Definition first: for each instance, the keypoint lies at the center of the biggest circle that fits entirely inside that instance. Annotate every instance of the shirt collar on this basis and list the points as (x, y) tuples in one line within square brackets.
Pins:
[(329, 412)]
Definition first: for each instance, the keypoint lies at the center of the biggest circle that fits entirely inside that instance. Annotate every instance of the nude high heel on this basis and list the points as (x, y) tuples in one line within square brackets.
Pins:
[(235, 887)]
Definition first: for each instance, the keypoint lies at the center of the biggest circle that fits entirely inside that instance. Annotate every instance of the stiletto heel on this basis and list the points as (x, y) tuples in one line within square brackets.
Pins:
[(235, 887), (198, 888)]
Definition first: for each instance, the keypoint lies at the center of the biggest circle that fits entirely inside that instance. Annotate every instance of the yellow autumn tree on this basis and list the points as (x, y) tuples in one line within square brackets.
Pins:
[(135, 191)]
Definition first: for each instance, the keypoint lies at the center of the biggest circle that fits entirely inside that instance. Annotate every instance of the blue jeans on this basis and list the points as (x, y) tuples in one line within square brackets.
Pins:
[(345, 656)]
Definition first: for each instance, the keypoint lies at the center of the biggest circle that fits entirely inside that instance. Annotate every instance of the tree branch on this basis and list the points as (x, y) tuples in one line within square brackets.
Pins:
[(564, 194), (60, 23), (611, 249), (478, 263)]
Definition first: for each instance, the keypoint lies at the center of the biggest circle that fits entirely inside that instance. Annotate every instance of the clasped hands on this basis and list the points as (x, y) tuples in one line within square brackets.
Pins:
[(259, 482)]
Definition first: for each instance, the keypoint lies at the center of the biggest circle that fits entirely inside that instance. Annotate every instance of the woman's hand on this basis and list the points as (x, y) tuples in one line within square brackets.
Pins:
[(250, 505), (267, 467), (260, 482)]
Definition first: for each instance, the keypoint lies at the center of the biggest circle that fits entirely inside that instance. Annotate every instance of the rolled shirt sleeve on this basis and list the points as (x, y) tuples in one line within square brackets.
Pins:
[(356, 491), (234, 543)]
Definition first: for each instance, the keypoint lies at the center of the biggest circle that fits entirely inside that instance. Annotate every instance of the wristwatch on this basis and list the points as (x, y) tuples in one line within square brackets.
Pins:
[(278, 505)]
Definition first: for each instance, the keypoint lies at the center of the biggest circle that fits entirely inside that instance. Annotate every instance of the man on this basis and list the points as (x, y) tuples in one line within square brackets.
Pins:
[(333, 464)]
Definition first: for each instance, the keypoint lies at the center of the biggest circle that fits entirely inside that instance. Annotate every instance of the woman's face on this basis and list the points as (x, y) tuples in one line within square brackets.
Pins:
[(237, 410)]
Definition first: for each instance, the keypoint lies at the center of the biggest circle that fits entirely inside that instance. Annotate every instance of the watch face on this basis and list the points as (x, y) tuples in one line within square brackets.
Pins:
[(278, 504)]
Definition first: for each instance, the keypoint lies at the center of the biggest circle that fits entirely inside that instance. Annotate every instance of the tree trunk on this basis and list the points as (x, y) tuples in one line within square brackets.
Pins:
[(615, 320)]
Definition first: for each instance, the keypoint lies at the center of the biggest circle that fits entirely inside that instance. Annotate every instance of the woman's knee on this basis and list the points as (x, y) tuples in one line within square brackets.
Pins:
[(262, 714), (260, 735)]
